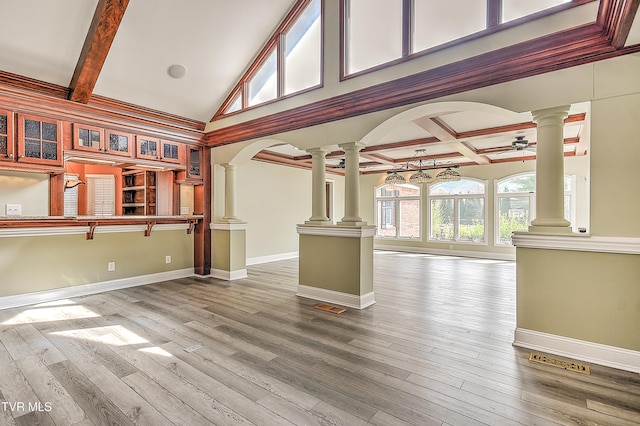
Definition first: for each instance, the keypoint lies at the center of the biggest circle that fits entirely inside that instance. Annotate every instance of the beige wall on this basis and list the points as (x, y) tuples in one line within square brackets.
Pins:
[(593, 297), (578, 166), (615, 209), (30, 190), (272, 199), (341, 264), (31, 264)]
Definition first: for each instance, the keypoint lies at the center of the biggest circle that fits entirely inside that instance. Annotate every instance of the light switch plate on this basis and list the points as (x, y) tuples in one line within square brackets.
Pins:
[(13, 209)]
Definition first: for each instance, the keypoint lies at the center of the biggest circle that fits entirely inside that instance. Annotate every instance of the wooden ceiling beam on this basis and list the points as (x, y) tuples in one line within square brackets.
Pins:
[(102, 31)]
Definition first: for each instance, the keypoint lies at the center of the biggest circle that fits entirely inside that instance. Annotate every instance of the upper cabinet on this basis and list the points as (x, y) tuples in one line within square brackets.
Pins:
[(96, 139), (119, 143), (39, 140), (148, 147), (194, 163), (157, 149), (6, 136)]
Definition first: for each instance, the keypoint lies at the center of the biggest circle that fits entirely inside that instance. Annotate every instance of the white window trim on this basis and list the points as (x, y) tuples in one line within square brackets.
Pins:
[(532, 203), (397, 212), (456, 237)]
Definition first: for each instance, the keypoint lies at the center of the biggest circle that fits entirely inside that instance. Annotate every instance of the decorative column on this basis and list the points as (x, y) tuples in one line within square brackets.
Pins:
[(318, 189), (352, 185), (336, 262), (229, 258), (230, 193), (550, 171)]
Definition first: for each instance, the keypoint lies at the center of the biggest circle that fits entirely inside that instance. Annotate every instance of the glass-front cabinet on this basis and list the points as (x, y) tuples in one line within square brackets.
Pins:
[(39, 140), (96, 139), (6, 136), (194, 163), (119, 143), (157, 149), (172, 151), (148, 148)]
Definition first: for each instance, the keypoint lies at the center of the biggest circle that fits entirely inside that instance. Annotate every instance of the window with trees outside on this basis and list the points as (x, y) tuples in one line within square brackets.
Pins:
[(458, 211), (516, 204), (398, 211), (378, 32)]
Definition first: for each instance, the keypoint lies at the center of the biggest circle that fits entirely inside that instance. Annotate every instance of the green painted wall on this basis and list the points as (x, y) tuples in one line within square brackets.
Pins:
[(31, 264), (341, 264), (228, 249), (593, 297), (614, 166)]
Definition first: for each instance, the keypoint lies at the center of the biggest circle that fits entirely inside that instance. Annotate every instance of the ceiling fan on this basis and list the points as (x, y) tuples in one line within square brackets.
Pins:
[(521, 144)]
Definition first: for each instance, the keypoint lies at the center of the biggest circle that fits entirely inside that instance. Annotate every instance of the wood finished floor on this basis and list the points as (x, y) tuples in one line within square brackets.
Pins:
[(435, 350)]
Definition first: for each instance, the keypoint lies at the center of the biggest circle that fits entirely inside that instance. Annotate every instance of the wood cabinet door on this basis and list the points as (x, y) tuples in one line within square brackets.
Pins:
[(148, 148), (172, 152), (194, 163), (7, 142), (39, 140), (119, 143), (88, 138)]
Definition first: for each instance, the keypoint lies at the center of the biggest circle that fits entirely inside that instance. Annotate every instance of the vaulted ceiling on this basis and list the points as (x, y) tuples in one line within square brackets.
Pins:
[(122, 51)]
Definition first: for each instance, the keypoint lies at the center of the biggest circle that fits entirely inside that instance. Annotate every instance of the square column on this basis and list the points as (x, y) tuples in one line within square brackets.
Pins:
[(229, 252), (336, 264)]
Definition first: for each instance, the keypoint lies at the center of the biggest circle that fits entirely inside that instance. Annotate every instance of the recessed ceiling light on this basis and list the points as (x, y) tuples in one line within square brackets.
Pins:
[(177, 71)]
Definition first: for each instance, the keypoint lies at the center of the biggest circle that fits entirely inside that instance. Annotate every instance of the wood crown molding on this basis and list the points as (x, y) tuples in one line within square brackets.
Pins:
[(21, 94), (569, 48)]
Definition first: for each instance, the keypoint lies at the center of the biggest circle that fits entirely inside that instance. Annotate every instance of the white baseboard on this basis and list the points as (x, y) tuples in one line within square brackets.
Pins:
[(609, 356), (271, 258), (221, 274), (445, 252), (17, 300), (336, 297)]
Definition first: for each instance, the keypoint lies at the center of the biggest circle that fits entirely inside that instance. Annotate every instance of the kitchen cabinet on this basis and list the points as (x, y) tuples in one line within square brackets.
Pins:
[(138, 193), (39, 140)]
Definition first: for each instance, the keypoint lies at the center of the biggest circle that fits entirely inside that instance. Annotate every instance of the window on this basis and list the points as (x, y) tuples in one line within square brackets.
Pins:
[(378, 32), (290, 62), (516, 204), (437, 22), (398, 211), (514, 9), (263, 86), (458, 211), (374, 33)]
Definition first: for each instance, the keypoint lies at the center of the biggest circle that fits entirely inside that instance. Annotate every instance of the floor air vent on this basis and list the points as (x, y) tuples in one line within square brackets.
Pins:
[(560, 363), (330, 308)]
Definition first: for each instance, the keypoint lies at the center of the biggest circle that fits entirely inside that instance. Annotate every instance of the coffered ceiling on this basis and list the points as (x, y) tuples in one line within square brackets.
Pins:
[(455, 138)]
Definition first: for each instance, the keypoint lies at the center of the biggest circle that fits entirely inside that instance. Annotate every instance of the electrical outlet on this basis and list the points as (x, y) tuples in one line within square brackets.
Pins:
[(13, 209), (184, 211), (167, 259), (111, 266)]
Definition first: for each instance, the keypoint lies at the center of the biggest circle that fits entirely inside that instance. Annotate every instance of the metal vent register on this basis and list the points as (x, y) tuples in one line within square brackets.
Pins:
[(560, 363)]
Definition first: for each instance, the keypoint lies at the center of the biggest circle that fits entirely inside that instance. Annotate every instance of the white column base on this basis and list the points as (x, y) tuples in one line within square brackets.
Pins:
[(221, 274), (609, 356), (336, 297)]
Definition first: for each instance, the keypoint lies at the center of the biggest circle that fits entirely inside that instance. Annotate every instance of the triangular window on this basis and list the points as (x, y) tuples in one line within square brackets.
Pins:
[(290, 62)]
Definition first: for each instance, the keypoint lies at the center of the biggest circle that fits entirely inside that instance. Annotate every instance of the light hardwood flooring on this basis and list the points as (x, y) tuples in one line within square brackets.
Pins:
[(434, 350)]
